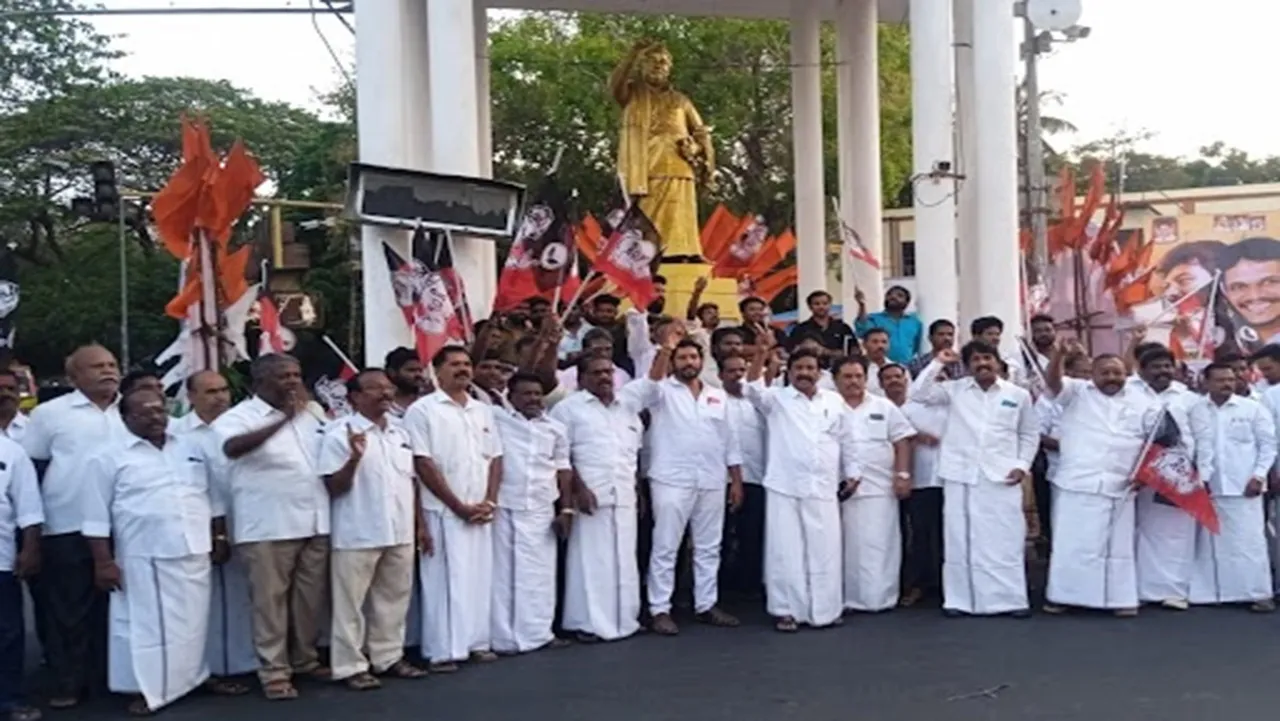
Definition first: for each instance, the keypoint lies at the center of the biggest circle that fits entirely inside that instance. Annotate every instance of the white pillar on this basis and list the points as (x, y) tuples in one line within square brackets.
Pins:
[(932, 78), (391, 111), (970, 257), (996, 163), (806, 131), (488, 250), (858, 139), (455, 123)]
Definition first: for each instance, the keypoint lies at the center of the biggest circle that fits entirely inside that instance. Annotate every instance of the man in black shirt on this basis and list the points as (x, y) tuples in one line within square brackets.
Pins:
[(754, 312), (836, 337)]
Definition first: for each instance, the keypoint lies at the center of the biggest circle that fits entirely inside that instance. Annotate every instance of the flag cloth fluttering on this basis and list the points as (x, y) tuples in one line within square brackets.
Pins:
[(429, 292), (631, 256), (543, 256), (1166, 466), (328, 371)]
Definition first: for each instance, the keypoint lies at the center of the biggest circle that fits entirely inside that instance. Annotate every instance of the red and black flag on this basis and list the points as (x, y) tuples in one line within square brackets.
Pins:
[(327, 370), (631, 257), (543, 253), (1165, 465), (10, 295), (429, 292)]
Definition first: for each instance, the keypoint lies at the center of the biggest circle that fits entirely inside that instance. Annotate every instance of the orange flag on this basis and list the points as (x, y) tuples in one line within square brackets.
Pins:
[(228, 192), (771, 285), (177, 205), (771, 255), (718, 233)]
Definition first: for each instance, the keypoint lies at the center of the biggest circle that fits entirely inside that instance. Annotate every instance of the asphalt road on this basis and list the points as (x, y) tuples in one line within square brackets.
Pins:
[(907, 665)]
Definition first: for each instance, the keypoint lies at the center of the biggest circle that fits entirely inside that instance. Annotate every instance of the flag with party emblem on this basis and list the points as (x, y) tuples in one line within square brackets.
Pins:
[(429, 292), (543, 253), (631, 256), (1165, 466)]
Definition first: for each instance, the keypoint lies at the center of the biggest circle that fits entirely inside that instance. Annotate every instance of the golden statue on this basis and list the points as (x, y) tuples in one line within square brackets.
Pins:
[(664, 148)]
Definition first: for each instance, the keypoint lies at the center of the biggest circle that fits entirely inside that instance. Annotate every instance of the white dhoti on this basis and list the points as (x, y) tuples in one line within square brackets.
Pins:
[(229, 651), (159, 622), (802, 572), (524, 579), (457, 588), (1092, 562), (701, 511), (984, 540), (1233, 567), (1166, 549), (601, 580), (872, 552)]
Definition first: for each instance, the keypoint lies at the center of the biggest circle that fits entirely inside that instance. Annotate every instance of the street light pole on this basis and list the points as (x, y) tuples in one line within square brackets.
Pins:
[(1037, 198), (124, 284)]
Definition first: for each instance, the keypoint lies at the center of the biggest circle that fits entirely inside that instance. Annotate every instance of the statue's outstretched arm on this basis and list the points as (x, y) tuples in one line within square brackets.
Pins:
[(701, 134), (620, 78)]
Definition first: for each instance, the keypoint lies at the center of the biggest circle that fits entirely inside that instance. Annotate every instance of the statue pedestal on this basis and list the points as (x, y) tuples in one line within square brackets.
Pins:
[(681, 278)]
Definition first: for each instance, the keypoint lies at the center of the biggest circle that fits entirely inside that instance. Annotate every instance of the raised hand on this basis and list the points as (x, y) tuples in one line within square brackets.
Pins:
[(357, 442)]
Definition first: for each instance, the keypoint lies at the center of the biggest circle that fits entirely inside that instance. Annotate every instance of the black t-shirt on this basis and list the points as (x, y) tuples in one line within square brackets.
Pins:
[(833, 337)]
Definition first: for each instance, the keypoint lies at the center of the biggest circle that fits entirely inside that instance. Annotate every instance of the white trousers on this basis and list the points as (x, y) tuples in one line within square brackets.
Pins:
[(457, 588), (229, 651), (1092, 563), (601, 580), (872, 552), (676, 508), (159, 624), (985, 535), (1232, 567), (371, 591), (1166, 542), (524, 579), (802, 570)]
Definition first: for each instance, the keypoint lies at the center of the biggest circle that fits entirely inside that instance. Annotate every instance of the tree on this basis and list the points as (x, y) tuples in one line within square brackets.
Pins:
[(1215, 165), (43, 55)]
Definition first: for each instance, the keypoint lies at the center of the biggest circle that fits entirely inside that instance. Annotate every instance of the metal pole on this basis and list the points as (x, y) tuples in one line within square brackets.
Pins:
[(1037, 201), (124, 284)]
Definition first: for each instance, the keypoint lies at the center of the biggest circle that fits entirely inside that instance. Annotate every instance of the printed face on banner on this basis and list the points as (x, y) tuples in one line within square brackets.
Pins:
[(332, 394), (751, 241), (10, 293), (633, 253), (535, 223), (409, 282), (1175, 469)]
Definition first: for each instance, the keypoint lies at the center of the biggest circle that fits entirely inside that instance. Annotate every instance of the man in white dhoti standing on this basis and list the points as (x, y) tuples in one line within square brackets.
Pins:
[(535, 505), (692, 445), (1166, 534), (602, 578), (21, 516), (280, 509), (229, 651), (151, 524), (458, 457), (990, 441), (1235, 450), (808, 458), (1102, 431), (881, 448), (367, 465)]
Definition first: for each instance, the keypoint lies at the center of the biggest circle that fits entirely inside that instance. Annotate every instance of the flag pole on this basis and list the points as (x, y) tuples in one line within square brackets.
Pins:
[(577, 294), (334, 347), (555, 162), (465, 306)]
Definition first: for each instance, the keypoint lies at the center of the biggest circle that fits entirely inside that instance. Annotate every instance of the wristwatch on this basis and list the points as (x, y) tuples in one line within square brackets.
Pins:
[(902, 475), (566, 511)]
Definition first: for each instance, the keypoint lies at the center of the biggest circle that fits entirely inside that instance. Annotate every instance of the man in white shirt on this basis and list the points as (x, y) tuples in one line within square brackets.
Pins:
[(535, 505), (21, 516), (151, 522), (597, 341), (367, 465), (1103, 430), (922, 510), (229, 651), (881, 448), (280, 509), (458, 457), (987, 449), (1235, 450), (876, 346), (809, 453), (1166, 535), (13, 422), (742, 569), (62, 435), (601, 577), (693, 446)]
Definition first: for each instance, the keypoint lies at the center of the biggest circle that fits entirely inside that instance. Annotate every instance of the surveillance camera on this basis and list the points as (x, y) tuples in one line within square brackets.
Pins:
[(942, 167)]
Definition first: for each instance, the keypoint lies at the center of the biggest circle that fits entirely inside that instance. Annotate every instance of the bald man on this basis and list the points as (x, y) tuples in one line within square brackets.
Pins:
[(62, 435)]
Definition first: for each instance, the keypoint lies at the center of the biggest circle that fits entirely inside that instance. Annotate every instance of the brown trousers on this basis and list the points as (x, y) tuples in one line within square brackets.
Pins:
[(289, 587)]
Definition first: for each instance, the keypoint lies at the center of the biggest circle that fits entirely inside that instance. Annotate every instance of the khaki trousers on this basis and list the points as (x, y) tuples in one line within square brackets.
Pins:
[(288, 584), (371, 592)]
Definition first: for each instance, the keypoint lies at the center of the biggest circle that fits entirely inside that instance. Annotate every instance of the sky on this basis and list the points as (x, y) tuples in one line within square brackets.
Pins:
[(1158, 66)]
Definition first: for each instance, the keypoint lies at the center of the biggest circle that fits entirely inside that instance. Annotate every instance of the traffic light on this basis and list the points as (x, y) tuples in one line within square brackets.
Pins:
[(106, 194)]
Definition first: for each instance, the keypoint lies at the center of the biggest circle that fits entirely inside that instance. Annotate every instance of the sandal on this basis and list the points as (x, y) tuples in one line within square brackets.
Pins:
[(139, 707), (279, 690), (443, 667), (583, 637), (24, 713), (715, 617), (786, 624), (558, 642), (403, 669), (483, 656), (363, 681), (225, 687)]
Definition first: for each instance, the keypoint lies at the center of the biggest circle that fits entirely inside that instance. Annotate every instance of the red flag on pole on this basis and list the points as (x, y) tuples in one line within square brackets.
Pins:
[(429, 293), (1165, 465), (630, 256), (543, 253)]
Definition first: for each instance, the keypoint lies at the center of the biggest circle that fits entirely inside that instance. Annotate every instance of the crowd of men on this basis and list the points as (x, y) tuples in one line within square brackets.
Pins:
[(557, 482)]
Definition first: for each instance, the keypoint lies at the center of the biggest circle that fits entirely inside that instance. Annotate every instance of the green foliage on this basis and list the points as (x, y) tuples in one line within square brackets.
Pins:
[(1215, 165)]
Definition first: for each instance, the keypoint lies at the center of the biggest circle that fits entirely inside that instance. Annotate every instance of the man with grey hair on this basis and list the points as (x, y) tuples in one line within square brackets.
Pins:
[(280, 514)]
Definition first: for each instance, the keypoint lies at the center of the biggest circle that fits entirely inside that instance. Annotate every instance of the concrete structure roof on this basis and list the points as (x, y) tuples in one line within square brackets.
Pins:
[(891, 11)]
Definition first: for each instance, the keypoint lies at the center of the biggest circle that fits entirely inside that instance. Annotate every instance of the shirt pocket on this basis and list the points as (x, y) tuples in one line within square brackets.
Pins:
[(1240, 431), (402, 458)]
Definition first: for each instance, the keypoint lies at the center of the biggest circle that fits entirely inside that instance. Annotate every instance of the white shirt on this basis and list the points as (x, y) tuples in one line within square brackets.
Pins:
[(20, 505), (1235, 441), (752, 438), (461, 440), (66, 431), (989, 433), (826, 381), (604, 443), (875, 424), (276, 491), (203, 435), (17, 427), (534, 452), (378, 511), (1101, 436), (873, 377), (929, 420), (808, 441), (690, 438), (1050, 415), (568, 378), (153, 502), (1177, 398)]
